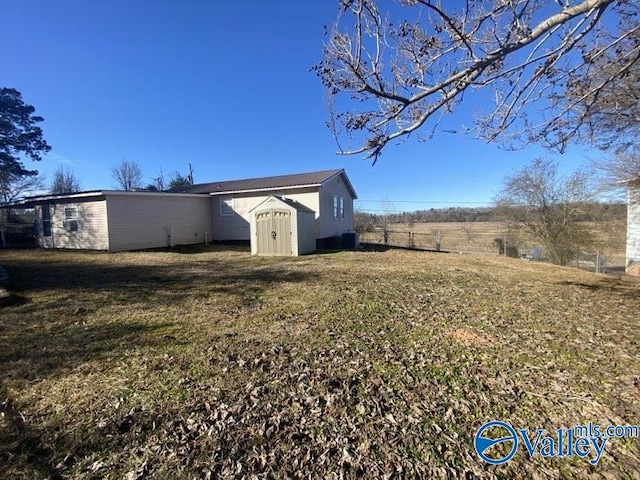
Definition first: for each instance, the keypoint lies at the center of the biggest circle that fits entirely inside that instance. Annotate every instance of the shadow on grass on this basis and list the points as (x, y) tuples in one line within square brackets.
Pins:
[(52, 330), (609, 285), (166, 284), (45, 331), (35, 352), (31, 351), (22, 451), (200, 248)]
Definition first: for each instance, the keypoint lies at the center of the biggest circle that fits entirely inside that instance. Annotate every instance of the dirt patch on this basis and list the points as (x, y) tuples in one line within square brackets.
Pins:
[(469, 337)]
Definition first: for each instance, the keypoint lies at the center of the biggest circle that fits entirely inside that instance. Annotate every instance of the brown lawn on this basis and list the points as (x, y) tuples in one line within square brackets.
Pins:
[(213, 364)]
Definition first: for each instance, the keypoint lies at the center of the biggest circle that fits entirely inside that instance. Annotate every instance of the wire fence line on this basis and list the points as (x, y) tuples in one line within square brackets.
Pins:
[(608, 257)]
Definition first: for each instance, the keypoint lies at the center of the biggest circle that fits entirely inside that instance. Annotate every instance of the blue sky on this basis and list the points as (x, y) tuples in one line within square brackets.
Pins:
[(224, 86)]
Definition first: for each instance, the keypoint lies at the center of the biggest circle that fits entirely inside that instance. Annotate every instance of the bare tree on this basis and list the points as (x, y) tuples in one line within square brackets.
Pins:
[(13, 187), (127, 174), (64, 181), (550, 207), (387, 208), (469, 230), (158, 184), (403, 72), (363, 221), (619, 168)]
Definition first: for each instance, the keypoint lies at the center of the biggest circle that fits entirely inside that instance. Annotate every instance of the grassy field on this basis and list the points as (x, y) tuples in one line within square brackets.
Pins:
[(213, 364)]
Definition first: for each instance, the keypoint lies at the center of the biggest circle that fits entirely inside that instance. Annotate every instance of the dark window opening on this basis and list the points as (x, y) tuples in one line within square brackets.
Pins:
[(46, 220)]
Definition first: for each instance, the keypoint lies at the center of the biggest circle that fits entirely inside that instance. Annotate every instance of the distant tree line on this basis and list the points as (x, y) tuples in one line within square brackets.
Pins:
[(367, 222)]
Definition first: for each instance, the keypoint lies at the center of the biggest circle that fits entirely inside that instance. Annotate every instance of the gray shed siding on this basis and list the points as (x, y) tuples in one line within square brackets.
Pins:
[(91, 232), (633, 230), (148, 220), (237, 225), (328, 225), (306, 225)]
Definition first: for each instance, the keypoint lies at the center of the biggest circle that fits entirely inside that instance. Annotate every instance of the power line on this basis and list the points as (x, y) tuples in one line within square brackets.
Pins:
[(425, 202)]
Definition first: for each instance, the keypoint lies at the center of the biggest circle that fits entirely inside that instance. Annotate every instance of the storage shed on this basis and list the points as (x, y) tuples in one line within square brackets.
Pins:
[(282, 227)]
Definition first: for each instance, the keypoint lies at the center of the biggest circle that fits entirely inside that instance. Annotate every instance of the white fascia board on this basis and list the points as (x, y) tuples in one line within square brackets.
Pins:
[(48, 198), (131, 193)]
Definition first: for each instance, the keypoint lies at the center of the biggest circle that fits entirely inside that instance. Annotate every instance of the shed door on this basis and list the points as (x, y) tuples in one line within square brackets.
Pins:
[(273, 229)]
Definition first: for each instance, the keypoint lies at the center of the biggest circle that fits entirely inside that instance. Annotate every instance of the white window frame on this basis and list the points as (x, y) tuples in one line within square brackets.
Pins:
[(227, 206), (70, 221), (71, 208), (338, 207)]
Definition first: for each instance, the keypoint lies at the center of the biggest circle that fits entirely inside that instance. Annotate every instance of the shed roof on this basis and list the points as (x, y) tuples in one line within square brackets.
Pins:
[(287, 201), (296, 180)]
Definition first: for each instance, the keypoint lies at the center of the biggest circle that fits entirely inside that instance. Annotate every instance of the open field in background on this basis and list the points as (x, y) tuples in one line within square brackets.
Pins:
[(479, 238), (212, 364)]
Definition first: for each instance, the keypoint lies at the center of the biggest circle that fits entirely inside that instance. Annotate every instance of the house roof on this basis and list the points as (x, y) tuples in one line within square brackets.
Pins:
[(29, 202), (279, 182)]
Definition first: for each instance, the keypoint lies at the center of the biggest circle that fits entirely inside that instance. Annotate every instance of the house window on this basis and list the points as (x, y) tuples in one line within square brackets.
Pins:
[(70, 221), (226, 206), (338, 207), (46, 220)]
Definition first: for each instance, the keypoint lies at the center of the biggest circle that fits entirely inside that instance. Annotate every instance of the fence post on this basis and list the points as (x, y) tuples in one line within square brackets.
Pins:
[(504, 246), (597, 261)]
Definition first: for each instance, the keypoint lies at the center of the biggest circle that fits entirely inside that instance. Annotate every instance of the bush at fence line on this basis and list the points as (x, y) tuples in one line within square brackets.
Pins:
[(511, 247)]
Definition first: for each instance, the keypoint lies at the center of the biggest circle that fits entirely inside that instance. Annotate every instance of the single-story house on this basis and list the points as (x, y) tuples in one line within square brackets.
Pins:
[(633, 228), (218, 211)]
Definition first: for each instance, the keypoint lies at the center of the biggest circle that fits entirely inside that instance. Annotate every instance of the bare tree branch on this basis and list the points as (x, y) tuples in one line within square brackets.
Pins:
[(13, 187), (64, 182), (540, 57), (127, 174)]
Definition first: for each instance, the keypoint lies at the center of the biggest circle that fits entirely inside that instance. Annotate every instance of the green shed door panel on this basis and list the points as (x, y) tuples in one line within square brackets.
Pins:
[(263, 231), (273, 231)]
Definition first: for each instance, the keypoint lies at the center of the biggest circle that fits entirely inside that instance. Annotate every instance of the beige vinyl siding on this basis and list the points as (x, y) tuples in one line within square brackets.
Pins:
[(633, 230), (328, 226), (147, 220), (236, 226), (91, 232)]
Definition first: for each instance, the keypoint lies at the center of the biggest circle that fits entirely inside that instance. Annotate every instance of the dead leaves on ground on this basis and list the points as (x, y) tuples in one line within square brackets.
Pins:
[(360, 365)]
